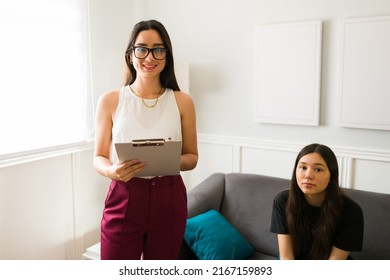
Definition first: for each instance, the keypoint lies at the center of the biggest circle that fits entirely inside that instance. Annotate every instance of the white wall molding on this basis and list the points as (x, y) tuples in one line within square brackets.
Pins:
[(345, 169), (359, 168), (45, 153), (287, 146), (248, 142), (359, 153)]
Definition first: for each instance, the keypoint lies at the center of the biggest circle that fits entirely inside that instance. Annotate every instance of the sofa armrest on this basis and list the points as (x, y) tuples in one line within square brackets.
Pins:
[(207, 195)]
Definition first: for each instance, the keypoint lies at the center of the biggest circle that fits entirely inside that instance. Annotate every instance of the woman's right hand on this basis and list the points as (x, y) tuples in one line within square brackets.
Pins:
[(125, 171)]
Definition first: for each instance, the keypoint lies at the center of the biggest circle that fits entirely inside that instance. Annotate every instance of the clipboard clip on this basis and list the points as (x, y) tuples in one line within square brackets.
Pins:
[(148, 142)]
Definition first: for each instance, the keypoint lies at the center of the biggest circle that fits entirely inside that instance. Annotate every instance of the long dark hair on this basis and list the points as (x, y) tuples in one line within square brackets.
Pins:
[(315, 243), (167, 76)]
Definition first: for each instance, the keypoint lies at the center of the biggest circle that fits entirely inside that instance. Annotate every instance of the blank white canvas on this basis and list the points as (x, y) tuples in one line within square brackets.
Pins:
[(365, 73), (288, 73)]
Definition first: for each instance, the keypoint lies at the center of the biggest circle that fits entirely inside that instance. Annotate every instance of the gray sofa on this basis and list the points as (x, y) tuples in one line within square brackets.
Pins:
[(245, 200)]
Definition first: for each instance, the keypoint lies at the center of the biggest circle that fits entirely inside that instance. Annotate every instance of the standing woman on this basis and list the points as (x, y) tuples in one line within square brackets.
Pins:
[(315, 219), (144, 217)]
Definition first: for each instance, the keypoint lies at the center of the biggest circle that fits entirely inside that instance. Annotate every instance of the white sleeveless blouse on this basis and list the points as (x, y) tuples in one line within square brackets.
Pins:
[(133, 120)]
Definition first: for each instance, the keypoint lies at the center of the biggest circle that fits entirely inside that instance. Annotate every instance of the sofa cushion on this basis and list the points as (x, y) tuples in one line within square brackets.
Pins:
[(212, 237)]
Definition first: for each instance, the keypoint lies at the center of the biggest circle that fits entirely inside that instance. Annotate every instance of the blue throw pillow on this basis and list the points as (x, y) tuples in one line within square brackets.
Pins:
[(211, 237)]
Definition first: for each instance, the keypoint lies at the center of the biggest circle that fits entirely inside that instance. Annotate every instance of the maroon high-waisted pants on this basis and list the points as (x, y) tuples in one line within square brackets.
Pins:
[(144, 218)]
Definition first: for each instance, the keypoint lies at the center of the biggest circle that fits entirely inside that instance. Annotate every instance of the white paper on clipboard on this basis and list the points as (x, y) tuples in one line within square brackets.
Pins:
[(162, 157)]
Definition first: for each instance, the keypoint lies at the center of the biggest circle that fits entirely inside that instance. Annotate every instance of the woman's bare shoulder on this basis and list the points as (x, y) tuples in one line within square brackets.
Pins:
[(109, 95), (183, 97), (109, 98), (185, 103)]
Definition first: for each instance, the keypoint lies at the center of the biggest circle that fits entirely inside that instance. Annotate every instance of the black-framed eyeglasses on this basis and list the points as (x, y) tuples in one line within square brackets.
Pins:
[(143, 52)]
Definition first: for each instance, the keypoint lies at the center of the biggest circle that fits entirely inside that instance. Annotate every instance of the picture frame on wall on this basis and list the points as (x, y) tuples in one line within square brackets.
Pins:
[(288, 73), (364, 84)]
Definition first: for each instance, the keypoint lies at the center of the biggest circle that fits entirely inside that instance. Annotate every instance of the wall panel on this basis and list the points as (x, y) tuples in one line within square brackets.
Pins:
[(37, 217), (267, 162), (371, 175), (50, 208), (213, 157)]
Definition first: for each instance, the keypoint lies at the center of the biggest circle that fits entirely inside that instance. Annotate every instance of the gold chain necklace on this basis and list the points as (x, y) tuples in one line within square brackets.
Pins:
[(143, 101)]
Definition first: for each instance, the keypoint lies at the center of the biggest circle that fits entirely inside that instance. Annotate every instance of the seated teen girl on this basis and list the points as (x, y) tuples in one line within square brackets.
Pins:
[(314, 219)]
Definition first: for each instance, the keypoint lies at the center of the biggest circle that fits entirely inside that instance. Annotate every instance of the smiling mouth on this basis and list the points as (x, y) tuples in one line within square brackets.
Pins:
[(150, 67)]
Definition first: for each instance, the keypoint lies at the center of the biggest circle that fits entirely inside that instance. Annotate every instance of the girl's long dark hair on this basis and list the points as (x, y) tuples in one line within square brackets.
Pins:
[(315, 243), (167, 76)]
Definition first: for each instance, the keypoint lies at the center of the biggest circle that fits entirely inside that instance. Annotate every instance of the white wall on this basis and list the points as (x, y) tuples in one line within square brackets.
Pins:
[(110, 26), (51, 208)]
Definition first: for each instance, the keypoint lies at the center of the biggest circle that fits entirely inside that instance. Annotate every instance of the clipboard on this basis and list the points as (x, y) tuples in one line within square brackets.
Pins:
[(162, 157)]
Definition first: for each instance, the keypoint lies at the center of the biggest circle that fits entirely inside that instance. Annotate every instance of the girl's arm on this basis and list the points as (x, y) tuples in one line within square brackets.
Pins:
[(189, 157), (286, 251), (337, 254)]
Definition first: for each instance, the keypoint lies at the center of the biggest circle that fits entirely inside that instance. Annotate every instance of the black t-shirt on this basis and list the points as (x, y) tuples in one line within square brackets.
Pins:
[(349, 232)]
